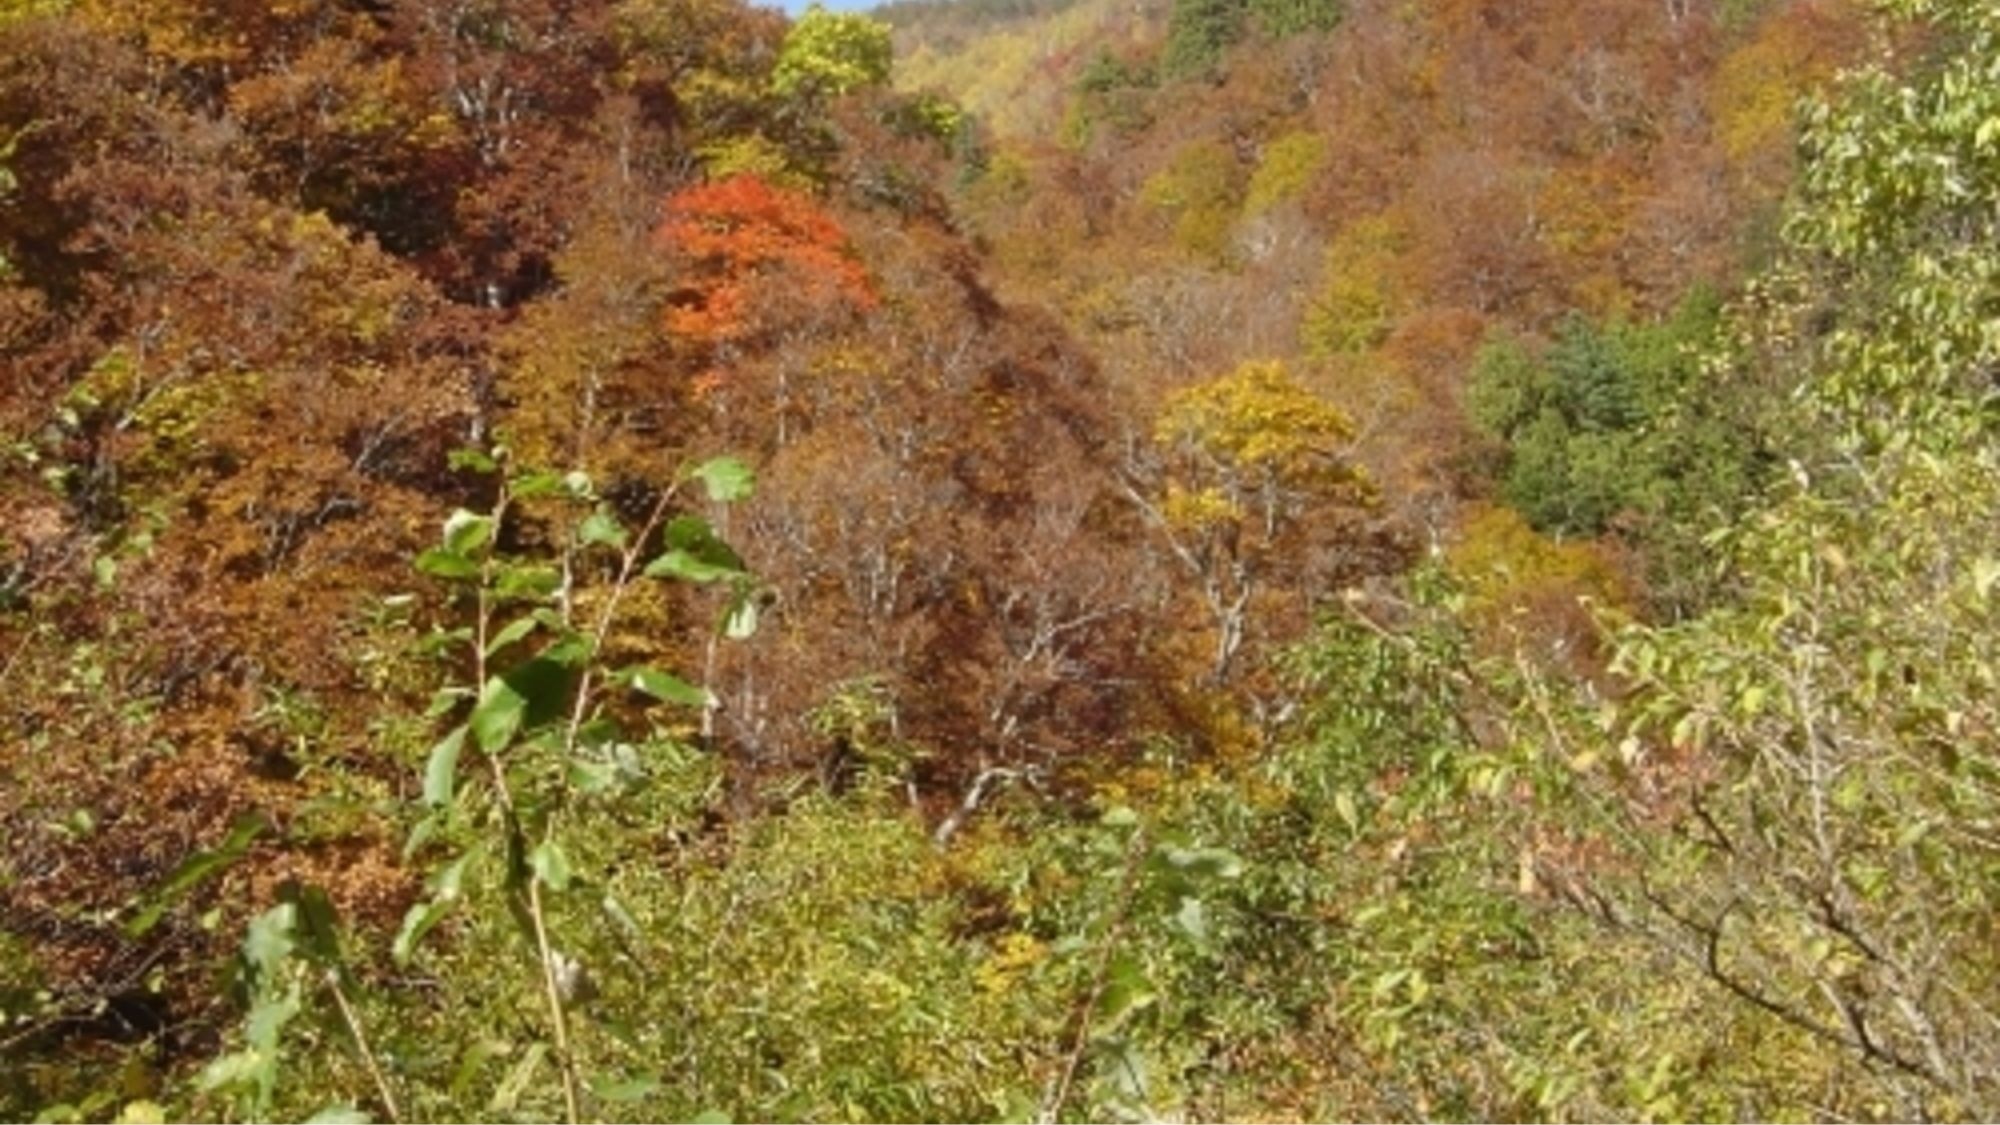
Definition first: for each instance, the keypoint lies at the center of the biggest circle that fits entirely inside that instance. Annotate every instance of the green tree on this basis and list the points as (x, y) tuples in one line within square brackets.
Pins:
[(831, 53), (1198, 31), (1281, 19), (1602, 427), (1824, 741)]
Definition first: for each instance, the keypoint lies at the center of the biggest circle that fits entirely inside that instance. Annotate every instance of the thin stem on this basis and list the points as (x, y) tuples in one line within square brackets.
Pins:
[(558, 1018), (353, 1021)]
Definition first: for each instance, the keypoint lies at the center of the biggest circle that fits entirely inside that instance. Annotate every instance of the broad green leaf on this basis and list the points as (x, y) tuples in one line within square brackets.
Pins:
[(529, 581), (1126, 990), (471, 460), (509, 1092), (550, 865), (316, 926), (688, 568), (268, 941), (594, 777), (726, 479), (445, 887), (532, 485), (1192, 919), (418, 921), (262, 1030), (1343, 804), (694, 553), (664, 687), (526, 696), (466, 532), (1125, 1066), (571, 650), (1216, 862), (440, 563), (513, 632), (601, 527), (441, 768), (238, 1068), (497, 717)]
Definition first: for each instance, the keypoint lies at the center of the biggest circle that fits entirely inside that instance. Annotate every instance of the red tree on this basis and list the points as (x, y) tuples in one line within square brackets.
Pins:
[(738, 235)]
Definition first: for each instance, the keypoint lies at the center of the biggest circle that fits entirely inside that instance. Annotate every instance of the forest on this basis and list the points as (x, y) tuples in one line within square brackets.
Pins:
[(999, 560)]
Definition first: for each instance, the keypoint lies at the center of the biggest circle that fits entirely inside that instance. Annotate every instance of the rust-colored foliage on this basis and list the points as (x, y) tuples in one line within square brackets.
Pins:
[(744, 242)]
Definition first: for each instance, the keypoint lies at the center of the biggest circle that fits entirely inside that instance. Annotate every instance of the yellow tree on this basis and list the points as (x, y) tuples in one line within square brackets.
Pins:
[(1249, 473)]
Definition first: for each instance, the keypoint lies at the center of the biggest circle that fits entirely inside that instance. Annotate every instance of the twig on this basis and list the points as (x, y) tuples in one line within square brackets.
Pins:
[(361, 1044)]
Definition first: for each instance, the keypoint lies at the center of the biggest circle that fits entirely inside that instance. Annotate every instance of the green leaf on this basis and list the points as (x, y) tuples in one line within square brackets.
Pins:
[(1126, 990), (421, 918), (473, 1060), (571, 650), (550, 865), (497, 716), (1192, 919), (686, 567), (418, 921), (513, 632), (594, 777), (528, 582), (193, 870), (238, 1068), (471, 460), (527, 695), (694, 553), (268, 941), (711, 1117), (1343, 805), (465, 532), (441, 768), (316, 925), (726, 479), (1212, 862), (440, 563), (516, 1082), (531, 485), (664, 687), (601, 527), (1125, 1066)]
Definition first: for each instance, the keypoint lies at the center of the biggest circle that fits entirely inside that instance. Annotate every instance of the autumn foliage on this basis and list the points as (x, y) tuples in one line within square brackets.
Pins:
[(746, 246), (1158, 426)]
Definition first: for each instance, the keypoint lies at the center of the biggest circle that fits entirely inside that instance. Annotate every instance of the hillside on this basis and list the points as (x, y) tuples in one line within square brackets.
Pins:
[(999, 559)]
